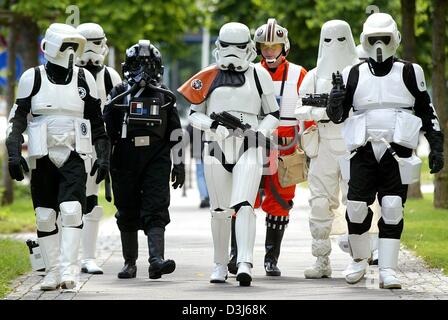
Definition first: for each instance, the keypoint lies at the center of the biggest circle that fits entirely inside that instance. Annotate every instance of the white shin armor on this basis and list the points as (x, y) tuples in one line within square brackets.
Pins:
[(245, 227), (221, 225)]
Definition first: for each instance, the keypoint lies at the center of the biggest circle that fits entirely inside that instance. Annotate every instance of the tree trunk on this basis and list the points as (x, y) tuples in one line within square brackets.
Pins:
[(438, 91), (8, 194), (409, 54), (27, 41)]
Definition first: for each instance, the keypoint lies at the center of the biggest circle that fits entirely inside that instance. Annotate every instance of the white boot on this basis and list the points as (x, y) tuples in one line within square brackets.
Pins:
[(374, 248), (320, 269), (388, 250), (69, 257), (244, 274), (50, 252), (89, 239), (245, 227), (355, 271), (360, 252), (219, 274), (221, 226)]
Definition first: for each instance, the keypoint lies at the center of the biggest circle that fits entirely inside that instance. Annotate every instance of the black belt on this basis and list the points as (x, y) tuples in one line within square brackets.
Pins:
[(324, 121)]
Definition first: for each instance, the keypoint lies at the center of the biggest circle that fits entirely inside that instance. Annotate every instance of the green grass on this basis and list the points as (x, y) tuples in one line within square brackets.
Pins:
[(426, 177), (14, 261), (426, 231), (19, 216)]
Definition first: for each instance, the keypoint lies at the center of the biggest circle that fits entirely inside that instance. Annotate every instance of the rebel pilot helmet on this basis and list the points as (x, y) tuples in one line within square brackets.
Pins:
[(271, 34)]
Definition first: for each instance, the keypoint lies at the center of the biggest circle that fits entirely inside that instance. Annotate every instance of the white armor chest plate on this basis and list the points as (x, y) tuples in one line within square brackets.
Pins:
[(288, 100), (243, 102), (101, 87), (56, 99), (389, 91)]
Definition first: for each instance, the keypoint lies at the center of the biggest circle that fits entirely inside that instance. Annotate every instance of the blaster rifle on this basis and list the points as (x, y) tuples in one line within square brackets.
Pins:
[(319, 100), (239, 129)]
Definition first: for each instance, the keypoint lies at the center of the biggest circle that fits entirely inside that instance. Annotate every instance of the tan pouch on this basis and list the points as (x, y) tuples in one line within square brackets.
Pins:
[(292, 168), (310, 141)]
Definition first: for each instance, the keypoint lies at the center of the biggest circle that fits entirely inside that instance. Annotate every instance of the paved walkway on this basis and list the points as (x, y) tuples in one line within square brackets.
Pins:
[(188, 242)]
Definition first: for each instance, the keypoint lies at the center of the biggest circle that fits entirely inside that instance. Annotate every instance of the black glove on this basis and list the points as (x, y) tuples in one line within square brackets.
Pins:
[(15, 166), (178, 175), (16, 163), (101, 164), (436, 159), (335, 108)]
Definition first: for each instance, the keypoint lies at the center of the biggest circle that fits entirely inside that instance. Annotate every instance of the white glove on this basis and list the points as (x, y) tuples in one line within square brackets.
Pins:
[(221, 132)]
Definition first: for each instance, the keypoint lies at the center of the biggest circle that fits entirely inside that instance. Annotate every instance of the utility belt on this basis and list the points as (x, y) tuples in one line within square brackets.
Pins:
[(398, 126), (46, 132)]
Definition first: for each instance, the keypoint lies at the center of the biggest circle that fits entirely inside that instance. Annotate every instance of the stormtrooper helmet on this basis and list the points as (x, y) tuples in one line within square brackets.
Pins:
[(235, 49), (95, 49)]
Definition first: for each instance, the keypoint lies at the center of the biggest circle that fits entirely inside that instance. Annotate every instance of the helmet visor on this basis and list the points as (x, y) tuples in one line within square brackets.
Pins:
[(374, 39)]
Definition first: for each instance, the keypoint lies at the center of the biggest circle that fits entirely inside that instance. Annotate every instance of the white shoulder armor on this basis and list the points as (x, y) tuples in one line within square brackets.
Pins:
[(308, 83), (268, 100), (419, 77), (26, 84), (91, 83), (114, 76), (265, 79)]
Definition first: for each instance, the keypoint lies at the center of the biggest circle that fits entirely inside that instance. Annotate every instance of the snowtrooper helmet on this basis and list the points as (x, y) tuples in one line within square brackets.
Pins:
[(380, 37), (235, 49), (272, 33), (95, 49), (143, 62), (62, 44), (336, 48)]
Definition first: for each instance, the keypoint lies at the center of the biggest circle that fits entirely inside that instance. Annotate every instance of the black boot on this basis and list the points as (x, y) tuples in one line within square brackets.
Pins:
[(231, 266), (156, 246), (272, 245), (205, 203), (129, 243)]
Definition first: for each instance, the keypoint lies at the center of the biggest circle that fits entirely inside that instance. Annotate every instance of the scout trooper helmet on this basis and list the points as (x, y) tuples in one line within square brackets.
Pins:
[(272, 33), (95, 49), (337, 48), (62, 44), (380, 37), (235, 49)]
